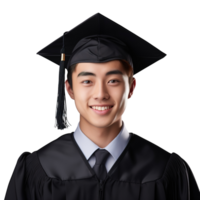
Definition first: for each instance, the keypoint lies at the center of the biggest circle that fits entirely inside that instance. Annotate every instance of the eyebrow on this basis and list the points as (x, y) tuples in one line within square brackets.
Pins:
[(85, 73)]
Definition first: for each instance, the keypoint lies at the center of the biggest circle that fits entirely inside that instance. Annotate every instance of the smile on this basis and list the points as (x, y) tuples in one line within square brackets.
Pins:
[(101, 109)]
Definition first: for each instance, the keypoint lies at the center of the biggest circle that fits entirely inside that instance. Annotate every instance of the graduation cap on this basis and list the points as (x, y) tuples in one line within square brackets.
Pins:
[(97, 39)]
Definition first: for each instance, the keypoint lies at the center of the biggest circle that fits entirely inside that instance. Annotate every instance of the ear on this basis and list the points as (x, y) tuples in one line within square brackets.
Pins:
[(132, 88), (69, 90)]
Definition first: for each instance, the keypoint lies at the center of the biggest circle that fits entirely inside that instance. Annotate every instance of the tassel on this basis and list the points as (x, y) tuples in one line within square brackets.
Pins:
[(61, 117)]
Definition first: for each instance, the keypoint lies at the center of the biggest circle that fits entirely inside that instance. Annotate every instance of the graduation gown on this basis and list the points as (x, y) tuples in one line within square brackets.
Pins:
[(60, 171)]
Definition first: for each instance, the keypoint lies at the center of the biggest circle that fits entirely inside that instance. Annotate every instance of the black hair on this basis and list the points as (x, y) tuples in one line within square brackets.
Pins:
[(69, 74)]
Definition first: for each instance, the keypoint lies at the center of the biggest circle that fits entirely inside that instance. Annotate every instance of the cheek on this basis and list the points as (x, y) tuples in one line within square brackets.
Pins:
[(80, 100), (123, 101)]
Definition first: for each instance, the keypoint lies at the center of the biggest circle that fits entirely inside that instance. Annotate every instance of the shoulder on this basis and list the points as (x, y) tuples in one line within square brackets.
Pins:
[(55, 145), (148, 148), (61, 141), (151, 159), (47, 162), (62, 159), (56, 148)]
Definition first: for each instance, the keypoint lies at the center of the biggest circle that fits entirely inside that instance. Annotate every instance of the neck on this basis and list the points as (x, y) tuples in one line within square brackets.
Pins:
[(101, 136)]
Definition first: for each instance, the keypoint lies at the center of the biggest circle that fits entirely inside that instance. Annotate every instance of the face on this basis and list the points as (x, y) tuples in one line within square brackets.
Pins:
[(102, 86)]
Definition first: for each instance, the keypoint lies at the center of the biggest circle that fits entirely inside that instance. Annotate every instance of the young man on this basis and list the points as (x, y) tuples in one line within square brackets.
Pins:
[(100, 159), (100, 92)]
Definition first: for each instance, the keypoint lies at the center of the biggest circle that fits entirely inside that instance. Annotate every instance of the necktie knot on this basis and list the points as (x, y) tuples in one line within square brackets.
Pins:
[(101, 156), (99, 167)]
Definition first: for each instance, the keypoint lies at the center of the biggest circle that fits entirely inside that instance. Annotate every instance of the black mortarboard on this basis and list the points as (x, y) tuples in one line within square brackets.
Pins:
[(97, 39)]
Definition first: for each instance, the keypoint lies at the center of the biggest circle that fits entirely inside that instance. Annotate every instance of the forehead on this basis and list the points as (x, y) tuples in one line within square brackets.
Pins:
[(100, 67)]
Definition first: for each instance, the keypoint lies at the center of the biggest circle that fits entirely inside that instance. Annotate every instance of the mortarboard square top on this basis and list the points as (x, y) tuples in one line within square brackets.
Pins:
[(142, 53)]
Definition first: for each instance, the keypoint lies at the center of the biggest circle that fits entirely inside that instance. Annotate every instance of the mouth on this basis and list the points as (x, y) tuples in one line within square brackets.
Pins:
[(101, 110)]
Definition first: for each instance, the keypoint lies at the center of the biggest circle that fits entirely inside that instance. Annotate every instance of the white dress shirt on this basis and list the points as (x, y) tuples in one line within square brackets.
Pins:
[(115, 147)]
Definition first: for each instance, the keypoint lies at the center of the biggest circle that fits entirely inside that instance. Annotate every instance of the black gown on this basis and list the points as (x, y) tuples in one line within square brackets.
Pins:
[(60, 171)]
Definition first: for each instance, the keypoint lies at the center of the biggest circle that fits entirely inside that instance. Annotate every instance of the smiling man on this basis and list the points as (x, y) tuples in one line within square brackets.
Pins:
[(101, 159), (100, 92)]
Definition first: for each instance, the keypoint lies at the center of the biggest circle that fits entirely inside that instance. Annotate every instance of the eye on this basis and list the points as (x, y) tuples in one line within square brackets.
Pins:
[(114, 80), (85, 80), (109, 81)]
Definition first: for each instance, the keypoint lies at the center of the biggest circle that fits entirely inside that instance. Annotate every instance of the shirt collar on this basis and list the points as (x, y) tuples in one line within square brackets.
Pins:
[(115, 147)]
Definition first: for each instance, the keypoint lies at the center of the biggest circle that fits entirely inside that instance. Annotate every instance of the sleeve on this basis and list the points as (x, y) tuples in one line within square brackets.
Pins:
[(17, 189), (193, 189), (180, 183)]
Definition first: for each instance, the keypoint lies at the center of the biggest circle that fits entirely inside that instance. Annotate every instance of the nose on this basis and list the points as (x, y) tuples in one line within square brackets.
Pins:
[(101, 91)]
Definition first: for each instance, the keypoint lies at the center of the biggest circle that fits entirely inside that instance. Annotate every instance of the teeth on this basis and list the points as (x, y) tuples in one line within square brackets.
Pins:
[(101, 108)]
